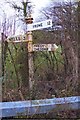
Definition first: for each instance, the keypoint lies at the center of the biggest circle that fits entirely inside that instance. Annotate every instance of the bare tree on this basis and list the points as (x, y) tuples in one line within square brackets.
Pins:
[(65, 21), (9, 28)]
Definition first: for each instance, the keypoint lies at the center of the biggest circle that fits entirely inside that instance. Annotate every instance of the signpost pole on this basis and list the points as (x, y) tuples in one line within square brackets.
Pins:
[(29, 20), (30, 61)]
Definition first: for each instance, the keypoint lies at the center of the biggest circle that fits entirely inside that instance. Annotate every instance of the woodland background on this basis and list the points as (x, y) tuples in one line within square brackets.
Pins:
[(56, 74)]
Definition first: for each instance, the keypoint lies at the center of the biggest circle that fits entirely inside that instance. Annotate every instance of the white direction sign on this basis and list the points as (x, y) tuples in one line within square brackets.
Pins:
[(44, 47), (39, 25), (17, 38)]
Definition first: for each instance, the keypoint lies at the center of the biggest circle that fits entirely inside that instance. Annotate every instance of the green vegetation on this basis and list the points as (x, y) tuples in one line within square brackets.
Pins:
[(55, 73), (48, 62), (15, 64)]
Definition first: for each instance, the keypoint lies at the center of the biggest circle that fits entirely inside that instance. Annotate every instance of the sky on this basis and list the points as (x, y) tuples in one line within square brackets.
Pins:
[(37, 6)]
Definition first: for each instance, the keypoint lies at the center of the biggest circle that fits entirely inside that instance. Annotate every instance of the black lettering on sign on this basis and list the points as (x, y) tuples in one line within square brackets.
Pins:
[(23, 37), (34, 26), (49, 22), (41, 25), (38, 25)]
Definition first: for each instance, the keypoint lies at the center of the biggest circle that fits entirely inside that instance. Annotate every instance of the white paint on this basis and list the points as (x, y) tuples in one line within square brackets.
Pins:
[(49, 47), (39, 25), (40, 47), (45, 47)]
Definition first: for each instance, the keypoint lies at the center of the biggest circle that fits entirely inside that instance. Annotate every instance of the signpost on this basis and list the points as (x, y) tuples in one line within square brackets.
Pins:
[(39, 25), (33, 47), (43, 106)]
